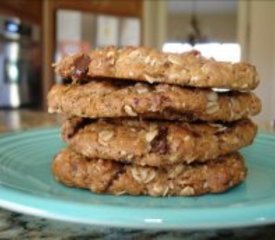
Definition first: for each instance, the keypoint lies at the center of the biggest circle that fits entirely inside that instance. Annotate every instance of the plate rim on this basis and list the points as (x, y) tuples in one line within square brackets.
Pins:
[(33, 205)]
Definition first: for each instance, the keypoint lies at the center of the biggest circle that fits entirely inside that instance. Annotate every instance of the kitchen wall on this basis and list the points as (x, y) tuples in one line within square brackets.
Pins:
[(161, 25), (220, 27), (257, 37), (154, 23), (72, 19)]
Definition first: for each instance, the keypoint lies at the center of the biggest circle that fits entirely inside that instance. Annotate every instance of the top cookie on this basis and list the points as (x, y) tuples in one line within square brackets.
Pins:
[(150, 65)]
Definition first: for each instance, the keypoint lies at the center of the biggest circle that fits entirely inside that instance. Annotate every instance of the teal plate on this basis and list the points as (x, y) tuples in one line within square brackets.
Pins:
[(27, 186)]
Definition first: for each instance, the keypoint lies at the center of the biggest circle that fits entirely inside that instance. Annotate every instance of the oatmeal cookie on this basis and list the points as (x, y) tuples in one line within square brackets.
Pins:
[(150, 65), (103, 99), (156, 143), (104, 176)]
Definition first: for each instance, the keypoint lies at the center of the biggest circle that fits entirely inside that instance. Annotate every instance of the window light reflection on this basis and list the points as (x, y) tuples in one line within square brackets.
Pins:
[(219, 51)]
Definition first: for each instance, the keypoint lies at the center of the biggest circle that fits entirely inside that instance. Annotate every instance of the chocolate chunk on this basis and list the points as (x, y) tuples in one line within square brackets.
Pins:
[(81, 67), (76, 124), (120, 171), (159, 143)]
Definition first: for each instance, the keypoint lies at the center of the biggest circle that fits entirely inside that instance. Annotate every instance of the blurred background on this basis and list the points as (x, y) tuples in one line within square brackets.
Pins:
[(36, 33)]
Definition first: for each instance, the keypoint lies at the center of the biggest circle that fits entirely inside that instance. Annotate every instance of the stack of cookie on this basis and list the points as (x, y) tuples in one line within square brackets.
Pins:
[(143, 122)]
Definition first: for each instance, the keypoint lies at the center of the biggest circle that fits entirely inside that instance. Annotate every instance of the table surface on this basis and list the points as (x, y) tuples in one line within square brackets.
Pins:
[(19, 226)]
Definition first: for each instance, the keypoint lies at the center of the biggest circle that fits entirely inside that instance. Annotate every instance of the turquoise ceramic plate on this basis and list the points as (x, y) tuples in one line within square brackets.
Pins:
[(27, 186)]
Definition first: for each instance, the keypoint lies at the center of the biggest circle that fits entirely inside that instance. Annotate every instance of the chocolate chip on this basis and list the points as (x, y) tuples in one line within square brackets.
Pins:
[(195, 53), (159, 143), (81, 67), (70, 128), (135, 101), (121, 169)]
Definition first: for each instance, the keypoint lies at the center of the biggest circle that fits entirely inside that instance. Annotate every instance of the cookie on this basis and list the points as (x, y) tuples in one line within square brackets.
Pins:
[(103, 99), (103, 176), (156, 143), (150, 65)]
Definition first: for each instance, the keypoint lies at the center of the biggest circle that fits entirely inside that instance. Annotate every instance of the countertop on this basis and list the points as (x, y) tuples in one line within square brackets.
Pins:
[(19, 226)]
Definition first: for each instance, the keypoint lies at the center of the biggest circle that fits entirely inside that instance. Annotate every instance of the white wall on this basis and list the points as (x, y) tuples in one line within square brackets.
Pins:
[(257, 38)]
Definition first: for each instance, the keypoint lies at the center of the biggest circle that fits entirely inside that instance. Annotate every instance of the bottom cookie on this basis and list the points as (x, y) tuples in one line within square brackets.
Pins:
[(105, 176)]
